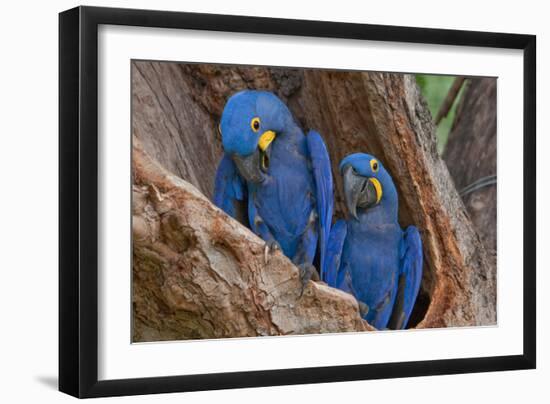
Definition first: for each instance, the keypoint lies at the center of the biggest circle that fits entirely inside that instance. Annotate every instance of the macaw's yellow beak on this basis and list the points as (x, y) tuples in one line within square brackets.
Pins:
[(377, 187), (265, 140), (263, 144), (254, 166)]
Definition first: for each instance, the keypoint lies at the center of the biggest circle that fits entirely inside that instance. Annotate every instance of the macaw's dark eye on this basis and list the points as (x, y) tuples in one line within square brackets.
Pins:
[(374, 165), (255, 124)]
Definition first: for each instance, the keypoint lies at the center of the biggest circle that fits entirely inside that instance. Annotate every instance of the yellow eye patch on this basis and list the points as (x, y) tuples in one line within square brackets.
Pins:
[(374, 165), (255, 124)]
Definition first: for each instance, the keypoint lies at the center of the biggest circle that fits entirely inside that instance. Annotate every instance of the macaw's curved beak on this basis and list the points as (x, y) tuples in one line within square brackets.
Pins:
[(254, 166), (249, 166), (359, 191)]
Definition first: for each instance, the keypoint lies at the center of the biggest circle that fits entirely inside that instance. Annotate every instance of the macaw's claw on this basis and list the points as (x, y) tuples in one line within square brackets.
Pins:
[(270, 246), (307, 273)]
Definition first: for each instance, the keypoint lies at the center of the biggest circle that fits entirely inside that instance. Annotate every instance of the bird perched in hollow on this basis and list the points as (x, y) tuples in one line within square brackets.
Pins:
[(369, 255), (283, 175)]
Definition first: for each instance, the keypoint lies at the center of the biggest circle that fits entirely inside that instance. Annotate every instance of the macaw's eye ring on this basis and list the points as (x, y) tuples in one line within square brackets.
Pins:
[(374, 165), (255, 124)]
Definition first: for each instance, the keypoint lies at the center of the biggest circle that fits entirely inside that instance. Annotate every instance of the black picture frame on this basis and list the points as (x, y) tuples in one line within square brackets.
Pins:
[(78, 201)]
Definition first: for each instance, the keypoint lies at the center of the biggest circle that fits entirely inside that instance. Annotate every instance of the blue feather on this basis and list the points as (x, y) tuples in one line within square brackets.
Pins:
[(411, 270), (228, 186), (322, 175), (329, 272)]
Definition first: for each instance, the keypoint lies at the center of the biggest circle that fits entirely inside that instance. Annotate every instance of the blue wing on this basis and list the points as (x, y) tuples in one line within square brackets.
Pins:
[(409, 279), (229, 187), (322, 174), (334, 253)]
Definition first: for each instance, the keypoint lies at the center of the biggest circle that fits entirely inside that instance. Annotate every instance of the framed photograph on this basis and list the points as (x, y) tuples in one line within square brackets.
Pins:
[(251, 201)]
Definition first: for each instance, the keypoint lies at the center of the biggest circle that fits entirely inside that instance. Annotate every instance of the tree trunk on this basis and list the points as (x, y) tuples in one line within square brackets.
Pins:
[(176, 110), (471, 154)]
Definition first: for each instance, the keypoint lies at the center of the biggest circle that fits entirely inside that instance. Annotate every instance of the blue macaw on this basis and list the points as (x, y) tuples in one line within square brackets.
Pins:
[(369, 255), (283, 175)]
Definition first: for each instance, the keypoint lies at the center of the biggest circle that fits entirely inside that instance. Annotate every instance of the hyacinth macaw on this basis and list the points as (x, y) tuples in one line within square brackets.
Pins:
[(369, 255), (283, 175)]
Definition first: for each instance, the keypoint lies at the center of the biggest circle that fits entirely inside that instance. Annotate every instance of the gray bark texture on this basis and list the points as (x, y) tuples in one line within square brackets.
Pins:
[(176, 110), (471, 154)]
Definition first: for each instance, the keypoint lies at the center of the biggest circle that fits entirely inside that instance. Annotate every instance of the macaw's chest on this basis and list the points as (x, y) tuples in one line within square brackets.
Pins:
[(372, 256), (286, 199)]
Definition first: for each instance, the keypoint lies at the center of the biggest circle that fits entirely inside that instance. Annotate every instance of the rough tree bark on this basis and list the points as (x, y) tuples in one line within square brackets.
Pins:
[(471, 153), (176, 109), (200, 274)]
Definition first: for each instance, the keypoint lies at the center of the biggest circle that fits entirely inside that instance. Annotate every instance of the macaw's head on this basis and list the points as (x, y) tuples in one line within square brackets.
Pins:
[(251, 120), (366, 183)]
